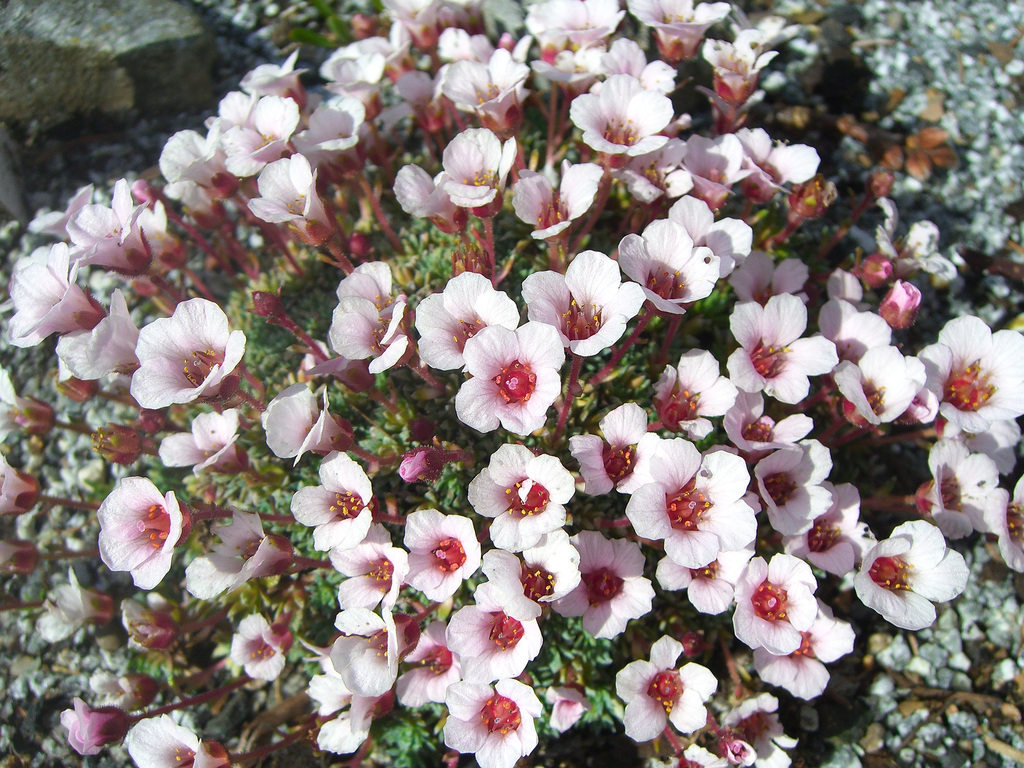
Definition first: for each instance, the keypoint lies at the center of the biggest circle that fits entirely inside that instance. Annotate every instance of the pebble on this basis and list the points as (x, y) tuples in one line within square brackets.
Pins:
[(896, 655)]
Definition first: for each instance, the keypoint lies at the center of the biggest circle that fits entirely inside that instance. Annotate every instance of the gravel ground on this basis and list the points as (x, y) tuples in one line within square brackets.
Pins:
[(944, 696)]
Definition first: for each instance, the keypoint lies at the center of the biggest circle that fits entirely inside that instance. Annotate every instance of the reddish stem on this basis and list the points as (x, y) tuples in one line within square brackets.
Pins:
[(190, 701)]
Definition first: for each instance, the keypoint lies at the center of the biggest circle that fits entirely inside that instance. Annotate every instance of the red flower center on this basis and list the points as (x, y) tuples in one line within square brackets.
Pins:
[(768, 361), (665, 282), (500, 714), (779, 487), (822, 536), (580, 324), (620, 132), (537, 582), (346, 506), (687, 507), (681, 406), (381, 572), (450, 555), (516, 382), (666, 688), (156, 525), (536, 499), (618, 462), (759, 431), (505, 631), (198, 367), (709, 571), (1015, 522), (805, 648), (967, 389), (438, 661), (602, 585), (891, 573), (769, 602)]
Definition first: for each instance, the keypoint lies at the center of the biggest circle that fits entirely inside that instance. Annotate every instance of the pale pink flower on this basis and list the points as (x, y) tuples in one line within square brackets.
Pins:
[(900, 305), (294, 424), (998, 442), (569, 24), (443, 552), (881, 385), (131, 691), (574, 70), (737, 67), (852, 331), (790, 483), (110, 236), (657, 173), (263, 139), (546, 573), (710, 588), (918, 250), (338, 509), (348, 730), (696, 504), (492, 90), (622, 459), (715, 165), (758, 278), (490, 643), (537, 203), (803, 672), (1006, 521), (288, 195), (729, 239), (657, 693), (678, 25), (260, 647), (92, 728), (623, 119), (775, 603), (698, 757), (836, 540), (427, 198), (69, 607), (962, 490), (493, 724), (158, 742), (844, 285), (418, 18), (186, 356), (772, 356), (514, 380), (525, 494), (244, 552), (902, 575), (139, 529), (613, 589), (626, 57), (454, 44), (276, 80), (588, 306), (568, 705), (755, 721), (55, 223), (692, 390), (977, 375), (191, 159), (366, 654), (367, 323), (46, 298), (476, 163), (447, 320), (376, 571), (672, 270), (210, 446), (107, 348), (434, 669), (150, 627), (329, 143)]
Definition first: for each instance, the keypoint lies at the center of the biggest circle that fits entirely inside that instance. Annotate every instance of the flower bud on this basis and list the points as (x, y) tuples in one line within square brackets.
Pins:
[(34, 416), (18, 556), (151, 628), (810, 199), (269, 306), (880, 183), (875, 270), (693, 644), (117, 443), (900, 305), (89, 730), (141, 688), (360, 245), (19, 491), (150, 421), (78, 390), (470, 258), (423, 463)]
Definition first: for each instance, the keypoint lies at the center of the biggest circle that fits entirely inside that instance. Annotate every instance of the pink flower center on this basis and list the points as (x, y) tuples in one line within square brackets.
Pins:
[(968, 389), (665, 282), (260, 649), (602, 585), (620, 132), (687, 507), (709, 571), (439, 660), (551, 213), (822, 536), (198, 367), (184, 757), (500, 714), (466, 330), (769, 602), (516, 382), (618, 462), (505, 631), (759, 431), (805, 648), (666, 688), (875, 396), (346, 506), (949, 491), (450, 555), (890, 573), (537, 582), (156, 524), (779, 487), (1015, 522), (681, 406), (536, 500), (767, 361), (381, 572), (580, 324)]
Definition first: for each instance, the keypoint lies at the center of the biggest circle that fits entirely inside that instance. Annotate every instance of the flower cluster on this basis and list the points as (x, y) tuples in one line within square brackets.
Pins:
[(517, 393)]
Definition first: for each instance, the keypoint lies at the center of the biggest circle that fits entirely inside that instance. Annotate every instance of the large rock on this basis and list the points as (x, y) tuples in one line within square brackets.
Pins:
[(60, 58)]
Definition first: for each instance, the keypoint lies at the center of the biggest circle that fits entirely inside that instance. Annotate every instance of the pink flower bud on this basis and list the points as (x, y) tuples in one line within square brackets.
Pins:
[(117, 443), (89, 730), (78, 390), (18, 556), (423, 464), (34, 416), (810, 199), (875, 270), (900, 305)]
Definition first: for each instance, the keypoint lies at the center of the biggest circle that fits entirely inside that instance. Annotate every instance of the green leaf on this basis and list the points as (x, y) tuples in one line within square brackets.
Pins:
[(308, 37)]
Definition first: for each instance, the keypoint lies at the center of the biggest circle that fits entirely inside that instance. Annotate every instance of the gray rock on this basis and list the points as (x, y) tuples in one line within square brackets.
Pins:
[(61, 58), (896, 655)]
